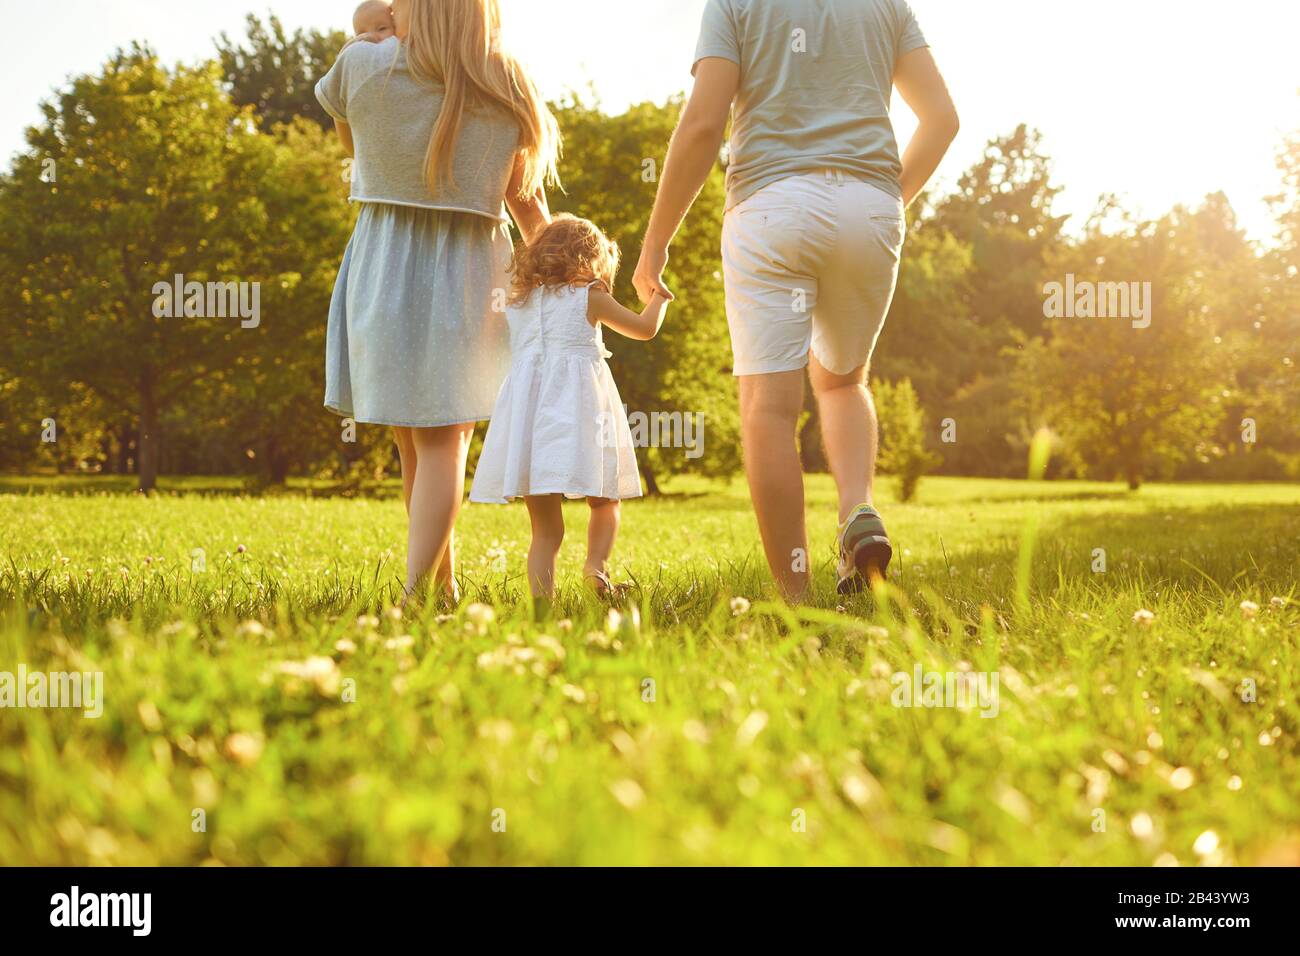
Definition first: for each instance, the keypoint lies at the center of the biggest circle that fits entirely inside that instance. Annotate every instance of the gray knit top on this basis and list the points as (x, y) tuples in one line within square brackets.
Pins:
[(392, 115)]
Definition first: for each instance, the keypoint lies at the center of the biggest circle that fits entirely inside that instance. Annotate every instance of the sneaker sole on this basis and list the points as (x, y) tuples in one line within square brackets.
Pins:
[(871, 559)]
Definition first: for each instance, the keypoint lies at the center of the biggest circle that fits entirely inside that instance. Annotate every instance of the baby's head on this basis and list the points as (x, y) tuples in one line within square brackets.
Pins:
[(374, 16), (568, 252)]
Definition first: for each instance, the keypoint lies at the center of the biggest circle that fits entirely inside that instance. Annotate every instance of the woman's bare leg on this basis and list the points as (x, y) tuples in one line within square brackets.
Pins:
[(444, 576), (547, 517), (436, 496)]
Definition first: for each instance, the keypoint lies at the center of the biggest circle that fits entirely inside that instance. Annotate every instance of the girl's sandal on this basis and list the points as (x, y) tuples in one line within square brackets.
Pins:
[(604, 588), (599, 582)]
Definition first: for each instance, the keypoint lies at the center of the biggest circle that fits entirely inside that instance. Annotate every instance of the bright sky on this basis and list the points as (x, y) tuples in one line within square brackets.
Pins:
[(1160, 101)]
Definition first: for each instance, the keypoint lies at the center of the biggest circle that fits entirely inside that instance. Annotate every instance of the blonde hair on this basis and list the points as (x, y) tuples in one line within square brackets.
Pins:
[(456, 44), (568, 252)]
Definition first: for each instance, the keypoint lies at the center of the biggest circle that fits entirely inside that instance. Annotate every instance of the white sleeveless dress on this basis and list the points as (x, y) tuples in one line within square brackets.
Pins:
[(559, 427)]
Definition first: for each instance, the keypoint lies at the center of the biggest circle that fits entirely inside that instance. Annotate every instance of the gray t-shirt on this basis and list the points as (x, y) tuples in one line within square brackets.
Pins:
[(391, 114), (815, 83)]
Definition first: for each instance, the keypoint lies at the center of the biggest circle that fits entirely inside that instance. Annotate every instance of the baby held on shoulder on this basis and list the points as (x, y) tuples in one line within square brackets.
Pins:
[(373, 21)]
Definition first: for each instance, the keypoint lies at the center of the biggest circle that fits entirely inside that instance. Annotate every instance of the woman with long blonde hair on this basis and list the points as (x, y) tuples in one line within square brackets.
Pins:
[(445, 128)]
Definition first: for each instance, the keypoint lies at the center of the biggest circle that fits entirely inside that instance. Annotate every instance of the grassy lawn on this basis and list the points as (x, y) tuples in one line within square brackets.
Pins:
[(274, 692)]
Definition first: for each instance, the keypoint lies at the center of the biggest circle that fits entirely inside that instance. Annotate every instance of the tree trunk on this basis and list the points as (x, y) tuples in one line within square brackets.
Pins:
[(277, 462), (1133, 461), (651, 485), (150, 441)]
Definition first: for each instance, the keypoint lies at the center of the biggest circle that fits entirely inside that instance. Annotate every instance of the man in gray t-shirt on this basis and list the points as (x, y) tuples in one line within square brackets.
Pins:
[(811, 238), (815, 84)]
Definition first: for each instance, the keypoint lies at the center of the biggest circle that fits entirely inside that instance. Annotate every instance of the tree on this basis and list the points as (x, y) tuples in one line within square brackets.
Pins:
[(270, 396), (149, 174), (930, 338), (1003, 210), (1273, 372), (276, 73), (22, 415), (1133, 402), (968, 296)]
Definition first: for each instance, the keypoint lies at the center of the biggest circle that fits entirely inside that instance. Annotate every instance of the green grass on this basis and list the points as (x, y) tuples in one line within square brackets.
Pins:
[(759, 720)]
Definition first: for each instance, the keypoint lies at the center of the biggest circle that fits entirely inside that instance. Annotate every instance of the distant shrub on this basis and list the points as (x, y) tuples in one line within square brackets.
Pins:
[(902, 436)]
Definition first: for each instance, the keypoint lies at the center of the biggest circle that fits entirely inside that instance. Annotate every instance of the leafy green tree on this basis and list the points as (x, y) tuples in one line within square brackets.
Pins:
[(135, 176), (21, 416), (270, 397), (1003, 210), (1128, 402), (969, 294), (929, 338), (1273, 373), (276, 72), (983, 429), (928, 335), (1233, 290)]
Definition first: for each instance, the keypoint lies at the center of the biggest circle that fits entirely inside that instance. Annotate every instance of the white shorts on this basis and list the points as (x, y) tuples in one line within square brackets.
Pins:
[(810, 263)]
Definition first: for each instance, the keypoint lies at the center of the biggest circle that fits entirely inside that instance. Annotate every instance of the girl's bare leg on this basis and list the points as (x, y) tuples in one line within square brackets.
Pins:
[(547, 518), (601, 532), (436, 495)]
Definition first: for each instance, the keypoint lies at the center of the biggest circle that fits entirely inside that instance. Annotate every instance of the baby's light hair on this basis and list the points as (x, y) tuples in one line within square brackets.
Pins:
[(366, 7), (568, 252)]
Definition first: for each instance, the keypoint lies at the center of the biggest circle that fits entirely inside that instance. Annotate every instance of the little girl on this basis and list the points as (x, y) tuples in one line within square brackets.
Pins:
[(559, 429)]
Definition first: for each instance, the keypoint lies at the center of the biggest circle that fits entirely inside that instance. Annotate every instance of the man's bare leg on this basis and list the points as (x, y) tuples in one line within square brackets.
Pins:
[(850, 432), (769, 414)]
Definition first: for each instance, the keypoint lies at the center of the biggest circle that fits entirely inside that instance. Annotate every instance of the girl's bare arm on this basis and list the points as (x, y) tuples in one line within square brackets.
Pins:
[(603, 307)]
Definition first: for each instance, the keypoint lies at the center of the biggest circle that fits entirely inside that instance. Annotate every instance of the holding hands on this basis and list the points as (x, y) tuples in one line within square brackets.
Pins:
[(649, 276), (691, 156)]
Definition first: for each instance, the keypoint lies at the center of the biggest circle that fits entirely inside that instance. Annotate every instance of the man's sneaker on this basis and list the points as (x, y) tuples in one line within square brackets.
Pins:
[(865, 551)]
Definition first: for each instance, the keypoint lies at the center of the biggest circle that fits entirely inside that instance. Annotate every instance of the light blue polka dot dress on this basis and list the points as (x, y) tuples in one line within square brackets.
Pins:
[(417, 331), (413, 338)]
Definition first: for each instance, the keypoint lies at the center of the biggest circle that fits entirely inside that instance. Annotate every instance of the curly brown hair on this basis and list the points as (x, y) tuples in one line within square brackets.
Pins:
[(568, 252)]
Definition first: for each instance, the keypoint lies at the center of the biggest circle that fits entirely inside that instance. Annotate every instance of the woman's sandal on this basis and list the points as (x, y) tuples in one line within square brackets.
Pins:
[(418, 597)]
